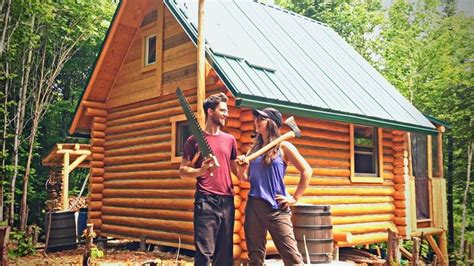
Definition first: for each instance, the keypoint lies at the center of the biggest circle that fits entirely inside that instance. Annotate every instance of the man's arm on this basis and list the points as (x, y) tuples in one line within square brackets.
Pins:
[(186, 169)]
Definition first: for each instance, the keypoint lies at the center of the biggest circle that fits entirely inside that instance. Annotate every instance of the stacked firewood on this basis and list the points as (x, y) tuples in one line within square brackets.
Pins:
[(359, 256)]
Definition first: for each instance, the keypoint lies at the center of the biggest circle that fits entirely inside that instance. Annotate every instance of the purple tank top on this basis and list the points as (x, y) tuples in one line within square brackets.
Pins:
[(266, 181)]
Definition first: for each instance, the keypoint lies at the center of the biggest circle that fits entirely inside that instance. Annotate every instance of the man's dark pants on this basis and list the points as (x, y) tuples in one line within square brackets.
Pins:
[(213, 229)]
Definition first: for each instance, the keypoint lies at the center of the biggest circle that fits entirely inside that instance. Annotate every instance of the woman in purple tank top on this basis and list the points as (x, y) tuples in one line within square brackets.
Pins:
[(268, 201)]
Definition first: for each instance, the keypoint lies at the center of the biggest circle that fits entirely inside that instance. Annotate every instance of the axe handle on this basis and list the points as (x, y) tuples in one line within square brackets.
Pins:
[(264, 149)]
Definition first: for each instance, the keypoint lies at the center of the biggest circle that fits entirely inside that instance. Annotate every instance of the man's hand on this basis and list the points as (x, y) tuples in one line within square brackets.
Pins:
[(208, 165), (285, 201)]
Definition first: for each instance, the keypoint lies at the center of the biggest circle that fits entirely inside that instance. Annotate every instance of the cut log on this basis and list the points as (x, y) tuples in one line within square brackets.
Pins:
[(155, 224)]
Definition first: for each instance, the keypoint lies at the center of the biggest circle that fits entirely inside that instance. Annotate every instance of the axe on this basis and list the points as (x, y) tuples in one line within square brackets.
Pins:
[(295, 132)]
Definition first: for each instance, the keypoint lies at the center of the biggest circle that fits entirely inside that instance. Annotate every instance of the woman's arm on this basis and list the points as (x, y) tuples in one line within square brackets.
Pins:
[(241, 168), (293, 156)]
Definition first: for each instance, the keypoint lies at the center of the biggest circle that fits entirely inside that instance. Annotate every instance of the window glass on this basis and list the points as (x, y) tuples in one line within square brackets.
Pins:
[(365, 150)]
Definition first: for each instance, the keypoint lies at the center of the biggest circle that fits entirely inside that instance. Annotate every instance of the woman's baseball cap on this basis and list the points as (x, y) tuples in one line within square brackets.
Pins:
[(271, 113)]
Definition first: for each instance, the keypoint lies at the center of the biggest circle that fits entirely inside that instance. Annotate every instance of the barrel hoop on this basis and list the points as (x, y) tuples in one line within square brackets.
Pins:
[(313, 213), (313, 226), (325, 240)]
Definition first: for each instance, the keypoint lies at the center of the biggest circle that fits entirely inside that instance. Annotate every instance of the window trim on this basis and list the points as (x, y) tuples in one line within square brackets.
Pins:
[(174, 120), (361, 178), (146, 42)]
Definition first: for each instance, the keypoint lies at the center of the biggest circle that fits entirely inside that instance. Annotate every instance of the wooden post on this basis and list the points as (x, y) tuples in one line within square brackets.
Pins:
[(416, 251), (201, 65), (440, 152), (65, 195), (143, 243), (393, 250), (87, 249)]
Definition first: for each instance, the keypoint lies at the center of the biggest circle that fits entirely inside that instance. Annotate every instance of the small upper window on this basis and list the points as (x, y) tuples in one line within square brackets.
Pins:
[(150, 50), (365, 151)]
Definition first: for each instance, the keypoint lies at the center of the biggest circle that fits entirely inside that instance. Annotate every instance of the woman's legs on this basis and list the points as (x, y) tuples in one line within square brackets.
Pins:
[(255, 232)]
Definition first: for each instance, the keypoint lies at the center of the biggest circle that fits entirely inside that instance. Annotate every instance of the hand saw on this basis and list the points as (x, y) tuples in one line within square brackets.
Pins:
[(195, 128)]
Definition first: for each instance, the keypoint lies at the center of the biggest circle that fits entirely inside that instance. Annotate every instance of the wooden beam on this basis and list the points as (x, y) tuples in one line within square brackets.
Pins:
[(74, 152), (201, 65), (440, 154), (65, 195), (436, 249), (416, 251), (78, 161), (427, 231), (405, 253)]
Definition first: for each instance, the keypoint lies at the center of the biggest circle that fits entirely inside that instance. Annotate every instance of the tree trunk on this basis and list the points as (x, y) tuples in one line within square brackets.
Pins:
[(19, 122), (449, 183), (466, 193), (4, 141)]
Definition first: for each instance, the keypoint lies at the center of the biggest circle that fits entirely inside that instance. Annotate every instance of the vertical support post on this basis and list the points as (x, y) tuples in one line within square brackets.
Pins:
[(393, 252), (201, 65), (87, 249), (65, 194), (416, 251)]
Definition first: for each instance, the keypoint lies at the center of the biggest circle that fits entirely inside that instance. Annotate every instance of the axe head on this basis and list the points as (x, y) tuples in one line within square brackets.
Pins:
[(290, 121)]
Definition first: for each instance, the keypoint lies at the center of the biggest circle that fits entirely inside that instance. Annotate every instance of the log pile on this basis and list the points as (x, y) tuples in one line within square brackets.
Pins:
[(359, 256)]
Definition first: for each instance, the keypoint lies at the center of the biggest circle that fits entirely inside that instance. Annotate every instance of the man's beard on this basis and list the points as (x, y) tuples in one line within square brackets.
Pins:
[(217, 121)]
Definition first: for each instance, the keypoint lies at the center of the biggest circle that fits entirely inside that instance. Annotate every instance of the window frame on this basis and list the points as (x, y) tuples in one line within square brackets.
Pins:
[(146, 43), (174, 120), (361, 178)]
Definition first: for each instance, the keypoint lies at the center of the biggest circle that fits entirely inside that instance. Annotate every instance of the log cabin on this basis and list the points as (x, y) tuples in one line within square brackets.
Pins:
[(377, 160)]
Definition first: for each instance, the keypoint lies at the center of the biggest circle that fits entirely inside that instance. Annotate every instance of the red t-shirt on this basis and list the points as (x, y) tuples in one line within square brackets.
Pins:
[(224, 148)]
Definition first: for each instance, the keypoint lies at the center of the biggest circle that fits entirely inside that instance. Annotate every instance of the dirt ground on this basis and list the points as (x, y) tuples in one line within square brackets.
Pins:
[(112, 257)]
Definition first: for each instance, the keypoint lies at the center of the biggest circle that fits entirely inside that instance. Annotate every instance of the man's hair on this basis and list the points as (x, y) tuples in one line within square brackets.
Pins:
[(213, 101)]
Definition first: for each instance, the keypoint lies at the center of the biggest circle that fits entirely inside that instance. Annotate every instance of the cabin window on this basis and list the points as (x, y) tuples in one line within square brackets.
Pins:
[(150, 50), (366, 154), (179, 134), (182, 134)]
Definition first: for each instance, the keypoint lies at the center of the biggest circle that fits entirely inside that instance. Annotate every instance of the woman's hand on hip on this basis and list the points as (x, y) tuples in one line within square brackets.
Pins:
[(285, 201)]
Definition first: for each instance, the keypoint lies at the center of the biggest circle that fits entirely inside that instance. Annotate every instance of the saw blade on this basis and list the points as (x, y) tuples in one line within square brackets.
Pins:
[(194, 125)]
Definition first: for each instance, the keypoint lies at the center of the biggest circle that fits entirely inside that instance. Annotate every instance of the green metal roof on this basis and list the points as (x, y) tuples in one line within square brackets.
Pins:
[(268, 56)]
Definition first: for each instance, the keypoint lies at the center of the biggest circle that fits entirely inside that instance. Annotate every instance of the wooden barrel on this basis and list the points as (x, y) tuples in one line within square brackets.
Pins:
[(62, 230), (313, 224)]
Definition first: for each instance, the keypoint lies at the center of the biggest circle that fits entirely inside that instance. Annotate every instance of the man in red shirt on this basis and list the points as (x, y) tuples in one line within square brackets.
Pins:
[(214, 198)]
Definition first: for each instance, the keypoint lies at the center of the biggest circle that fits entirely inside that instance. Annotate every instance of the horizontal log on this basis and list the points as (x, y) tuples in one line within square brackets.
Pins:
[(317, 162), (91, 104), (233, 131), (97, 142), (98, 134), (155, 224), (314, 144), (138, 125), (399, 195), (334, 200), (362, 228), (149, 106), (96, 112), (127, 231), (137, 158), (97, 119), (98, 156), (322, 171), (100, 150), (114, 144), (400, 212), (94, 205), (400, 204), (148, 213), (97, 164), (324, 152), (146, 132), (137, 167), (148, 193), (427, 231), (237, 214), (242, 231), (352, 219), (170, 111), (246, 115), (97, 223), (138, 149), (363, 239), (94, 214), (233, 123), (237, 226), (399, 179), (151, 184), (98, 171), (358, 209), (96, 188), (95, 197), (341, 236), (318, 124), (96, 179), (346, 191), (166, 204), (400, 220), (329, 135), (237, 201), (98, 127)]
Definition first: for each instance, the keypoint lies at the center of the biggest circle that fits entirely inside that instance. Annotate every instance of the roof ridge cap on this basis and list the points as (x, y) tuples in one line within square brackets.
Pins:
[(279, 8)]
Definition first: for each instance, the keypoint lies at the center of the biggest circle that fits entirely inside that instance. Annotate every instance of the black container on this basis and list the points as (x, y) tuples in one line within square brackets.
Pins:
[(81, 221), (62, 231)]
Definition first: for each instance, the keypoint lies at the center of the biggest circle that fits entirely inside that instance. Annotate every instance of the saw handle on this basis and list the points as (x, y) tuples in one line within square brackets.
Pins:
[(264, 149)]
